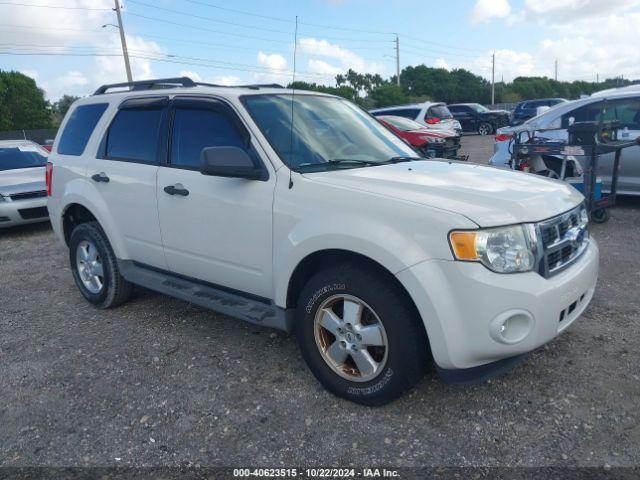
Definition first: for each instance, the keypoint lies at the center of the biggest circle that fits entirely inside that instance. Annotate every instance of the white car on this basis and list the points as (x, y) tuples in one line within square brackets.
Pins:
[(621, 104), (330, 227), (433, 115), (23, 196)]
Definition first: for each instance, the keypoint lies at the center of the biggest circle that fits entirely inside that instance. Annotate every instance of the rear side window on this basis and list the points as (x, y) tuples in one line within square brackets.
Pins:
[(410, 113), (133, 135), (79, 128), (197, 129)]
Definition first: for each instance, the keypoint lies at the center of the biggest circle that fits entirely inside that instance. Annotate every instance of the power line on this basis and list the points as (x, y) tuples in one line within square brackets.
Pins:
[(55, 7), (205, 29)]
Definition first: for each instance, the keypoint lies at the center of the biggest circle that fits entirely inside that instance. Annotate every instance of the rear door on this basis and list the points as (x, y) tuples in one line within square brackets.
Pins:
[(216, 229), (124, 174)]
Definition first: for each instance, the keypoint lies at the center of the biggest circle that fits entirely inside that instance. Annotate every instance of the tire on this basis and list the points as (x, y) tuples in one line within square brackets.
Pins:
[(601, 215), (400, 364), (485, 128), (88, 250)]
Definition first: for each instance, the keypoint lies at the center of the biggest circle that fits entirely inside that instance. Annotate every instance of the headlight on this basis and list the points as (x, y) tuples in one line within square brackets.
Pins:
[(502, 250)]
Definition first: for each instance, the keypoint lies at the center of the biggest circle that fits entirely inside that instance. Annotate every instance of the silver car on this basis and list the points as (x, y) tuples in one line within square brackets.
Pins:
[(621, 104), (23, 194)]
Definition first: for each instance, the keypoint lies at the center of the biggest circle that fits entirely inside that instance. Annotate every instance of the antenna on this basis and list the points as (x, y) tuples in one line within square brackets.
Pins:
[(293, 94)]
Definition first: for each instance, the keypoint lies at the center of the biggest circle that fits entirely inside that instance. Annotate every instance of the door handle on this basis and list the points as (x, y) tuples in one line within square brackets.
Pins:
[(176, 189), (100, 177)]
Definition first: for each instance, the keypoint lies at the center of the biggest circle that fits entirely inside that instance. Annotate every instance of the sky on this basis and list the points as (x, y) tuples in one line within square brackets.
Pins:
[(63, 45)]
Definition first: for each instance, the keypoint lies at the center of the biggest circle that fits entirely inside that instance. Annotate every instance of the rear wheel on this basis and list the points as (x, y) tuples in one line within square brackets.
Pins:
[(95, 268), (359, 334), (600, 215), (485, 128)]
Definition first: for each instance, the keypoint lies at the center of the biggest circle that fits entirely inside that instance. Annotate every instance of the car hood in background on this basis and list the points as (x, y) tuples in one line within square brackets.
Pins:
[(486, 195), (22, 180)]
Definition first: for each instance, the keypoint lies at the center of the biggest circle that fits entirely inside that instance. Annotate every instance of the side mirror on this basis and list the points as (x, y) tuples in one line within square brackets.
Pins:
[(230, 162)]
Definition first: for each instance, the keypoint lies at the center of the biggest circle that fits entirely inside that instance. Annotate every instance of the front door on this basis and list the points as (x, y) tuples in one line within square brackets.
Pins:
[(214, 229)]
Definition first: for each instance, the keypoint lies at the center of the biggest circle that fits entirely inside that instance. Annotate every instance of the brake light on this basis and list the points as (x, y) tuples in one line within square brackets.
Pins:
[(503, 137), (432, 120), (49, 177)]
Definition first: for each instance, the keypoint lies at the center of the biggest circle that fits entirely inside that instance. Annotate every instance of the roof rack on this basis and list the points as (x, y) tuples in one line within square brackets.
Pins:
[(174, 82), (148, 84), (254, 86)]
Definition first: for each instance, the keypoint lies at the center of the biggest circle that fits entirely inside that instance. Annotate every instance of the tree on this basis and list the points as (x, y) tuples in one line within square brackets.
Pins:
[(22, 103), (388, 94), (61, 107)]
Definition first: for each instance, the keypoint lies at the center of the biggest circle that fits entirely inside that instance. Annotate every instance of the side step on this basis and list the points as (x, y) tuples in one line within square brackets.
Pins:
[(258, 312)]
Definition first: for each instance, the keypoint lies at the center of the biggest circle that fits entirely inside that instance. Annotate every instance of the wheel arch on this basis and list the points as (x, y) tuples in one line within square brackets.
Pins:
[(326, 258)]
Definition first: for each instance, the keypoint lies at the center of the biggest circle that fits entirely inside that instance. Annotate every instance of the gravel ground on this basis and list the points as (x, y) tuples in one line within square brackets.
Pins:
[(161, 382)]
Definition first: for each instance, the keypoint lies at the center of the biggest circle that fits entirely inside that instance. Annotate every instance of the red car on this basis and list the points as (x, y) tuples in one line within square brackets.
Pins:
[(430, 143)]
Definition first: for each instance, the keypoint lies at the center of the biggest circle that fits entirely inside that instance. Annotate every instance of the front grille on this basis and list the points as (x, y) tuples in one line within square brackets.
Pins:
[(28, 195), (31, 213), (563, 239)]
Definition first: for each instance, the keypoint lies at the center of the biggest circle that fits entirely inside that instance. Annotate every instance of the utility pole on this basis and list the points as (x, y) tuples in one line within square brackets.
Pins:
[(597, 78), (493, 78), (556, 68), (123, 40), (397, 60)]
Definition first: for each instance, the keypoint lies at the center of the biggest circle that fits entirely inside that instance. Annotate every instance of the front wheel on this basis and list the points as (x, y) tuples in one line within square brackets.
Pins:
[(360, 336), (485, 128)]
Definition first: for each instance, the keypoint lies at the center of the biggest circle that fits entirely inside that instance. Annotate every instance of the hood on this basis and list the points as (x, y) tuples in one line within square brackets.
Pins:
[(486, 195), (22, 180)]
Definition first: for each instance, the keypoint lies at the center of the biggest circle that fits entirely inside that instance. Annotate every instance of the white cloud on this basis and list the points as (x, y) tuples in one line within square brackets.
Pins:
[(441, 63), (273, 61), (217, 80), (346, 58), (323, 68), (486, 10)]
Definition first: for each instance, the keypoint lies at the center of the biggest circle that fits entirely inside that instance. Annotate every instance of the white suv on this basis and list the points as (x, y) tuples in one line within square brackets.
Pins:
[(433, 115), (299, 211)]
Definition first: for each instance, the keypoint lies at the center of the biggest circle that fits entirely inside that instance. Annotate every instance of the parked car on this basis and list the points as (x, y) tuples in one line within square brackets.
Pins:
[(476, 118), (529, 108), (622, 105), (432, 115), (22, 183), (430, 143), (321, 222)]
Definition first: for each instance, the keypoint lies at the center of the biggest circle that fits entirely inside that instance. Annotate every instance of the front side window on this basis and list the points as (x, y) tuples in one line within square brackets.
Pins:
[(479, 108), (196, 129), (327, 132), (133, 135), (82, 121), (21, 156)]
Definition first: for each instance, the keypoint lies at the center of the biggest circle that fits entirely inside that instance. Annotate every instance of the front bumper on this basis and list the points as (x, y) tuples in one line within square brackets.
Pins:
[(464, 307), (21, 212)]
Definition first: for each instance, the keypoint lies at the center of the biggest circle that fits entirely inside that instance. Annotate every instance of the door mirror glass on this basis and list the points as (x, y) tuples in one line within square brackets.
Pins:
[(228, 162)]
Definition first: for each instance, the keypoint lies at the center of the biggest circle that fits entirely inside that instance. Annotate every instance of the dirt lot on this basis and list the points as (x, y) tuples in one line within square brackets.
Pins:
[(161, 382)]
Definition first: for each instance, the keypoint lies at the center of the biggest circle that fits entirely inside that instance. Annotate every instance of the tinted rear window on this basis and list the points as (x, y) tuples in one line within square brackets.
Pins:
[(439, 111), (12, 158), (79, 128), (133, 135), (410, 113)]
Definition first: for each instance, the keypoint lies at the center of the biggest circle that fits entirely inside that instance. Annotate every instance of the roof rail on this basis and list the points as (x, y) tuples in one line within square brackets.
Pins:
[(148, 84), (252, 86)]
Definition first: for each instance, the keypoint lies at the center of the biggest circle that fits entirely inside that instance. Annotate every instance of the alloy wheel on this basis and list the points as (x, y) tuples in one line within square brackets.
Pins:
[(89, 265)]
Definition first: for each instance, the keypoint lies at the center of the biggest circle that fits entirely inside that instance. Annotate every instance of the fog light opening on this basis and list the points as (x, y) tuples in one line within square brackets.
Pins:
[(511, 327)]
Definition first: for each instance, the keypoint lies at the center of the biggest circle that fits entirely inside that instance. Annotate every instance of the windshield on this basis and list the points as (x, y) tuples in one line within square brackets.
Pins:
[(403, 124), (479, 108), (328, 132), (12, 158)]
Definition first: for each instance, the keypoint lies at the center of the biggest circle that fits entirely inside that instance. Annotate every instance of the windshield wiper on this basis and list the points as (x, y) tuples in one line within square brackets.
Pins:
[(403, 159), (339, 161)]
